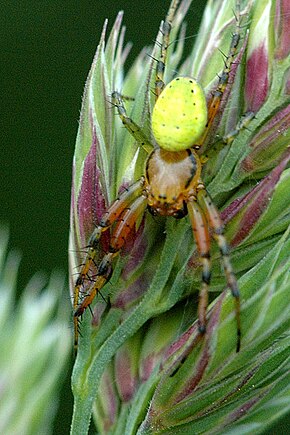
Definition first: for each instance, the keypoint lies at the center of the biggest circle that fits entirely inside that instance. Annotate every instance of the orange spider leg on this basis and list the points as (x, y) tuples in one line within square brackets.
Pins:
[(127, 223), (124, 226), (103, 274), (216, 98), (109, 218), (166, 29), (217, 226), (117, 207), (202, 238)]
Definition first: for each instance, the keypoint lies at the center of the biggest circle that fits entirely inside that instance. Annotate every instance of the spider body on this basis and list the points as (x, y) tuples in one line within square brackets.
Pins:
[(171, 179), (172, 184)]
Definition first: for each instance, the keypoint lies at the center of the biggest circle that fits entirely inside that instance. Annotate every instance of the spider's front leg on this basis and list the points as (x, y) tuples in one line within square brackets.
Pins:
[(161, 63), (122, 215), (131, 126), (216, 98)]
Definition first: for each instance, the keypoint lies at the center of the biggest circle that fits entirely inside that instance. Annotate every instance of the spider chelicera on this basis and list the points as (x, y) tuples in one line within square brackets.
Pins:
[(172, 184)]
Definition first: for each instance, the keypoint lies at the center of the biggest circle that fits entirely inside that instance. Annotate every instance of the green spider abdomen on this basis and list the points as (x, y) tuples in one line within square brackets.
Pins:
[(179, 116)]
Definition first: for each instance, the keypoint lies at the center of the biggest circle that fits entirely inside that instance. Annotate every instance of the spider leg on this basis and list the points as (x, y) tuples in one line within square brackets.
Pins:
[(124, 226), (217, 226), (102, 276), (202, 238), (229, 138), (131, 126), (242, 124), (217, 94), (166, 29), (118, 207)]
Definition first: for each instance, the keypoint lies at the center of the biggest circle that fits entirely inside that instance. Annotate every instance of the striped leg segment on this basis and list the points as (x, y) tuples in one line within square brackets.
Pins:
[(242, 124), (217, 226), (202, 238), (113, 213), (126, 223), (102, 276), (119, 209), (230, 137), (83, 275), (131, 126), (166, 29), (215, 100), (122, 203), (124, 226)]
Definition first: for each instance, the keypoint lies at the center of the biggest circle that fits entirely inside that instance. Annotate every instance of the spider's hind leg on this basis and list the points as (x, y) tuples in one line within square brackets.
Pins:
[(217, 226)]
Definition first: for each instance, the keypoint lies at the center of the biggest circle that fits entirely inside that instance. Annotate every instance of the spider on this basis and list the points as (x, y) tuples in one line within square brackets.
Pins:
[(172, 183)]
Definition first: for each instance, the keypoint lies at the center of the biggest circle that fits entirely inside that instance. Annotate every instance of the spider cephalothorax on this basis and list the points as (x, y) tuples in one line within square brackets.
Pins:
[(171, 179), (172, 182)]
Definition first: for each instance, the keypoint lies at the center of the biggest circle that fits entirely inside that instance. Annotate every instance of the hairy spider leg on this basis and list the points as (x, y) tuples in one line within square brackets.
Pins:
[(202, 238), (215, 222), (116, 209), (229, 138), (165, 31), (123, 228), (217, 94), (83, 274), (131, 126), (242, 124)]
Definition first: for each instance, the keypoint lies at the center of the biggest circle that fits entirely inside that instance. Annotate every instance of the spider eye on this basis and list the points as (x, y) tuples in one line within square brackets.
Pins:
[(180, 115)]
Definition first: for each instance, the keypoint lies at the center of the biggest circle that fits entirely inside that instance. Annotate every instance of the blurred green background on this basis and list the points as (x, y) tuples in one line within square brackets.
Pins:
[(46, 51)]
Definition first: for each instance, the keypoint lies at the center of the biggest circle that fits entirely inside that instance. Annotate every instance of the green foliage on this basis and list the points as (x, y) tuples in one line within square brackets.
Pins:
[(141, 366)]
